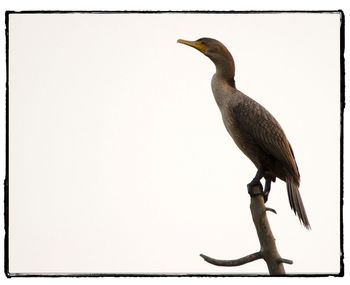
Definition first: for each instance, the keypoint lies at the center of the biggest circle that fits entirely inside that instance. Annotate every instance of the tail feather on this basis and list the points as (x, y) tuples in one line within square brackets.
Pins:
[(296, 203)]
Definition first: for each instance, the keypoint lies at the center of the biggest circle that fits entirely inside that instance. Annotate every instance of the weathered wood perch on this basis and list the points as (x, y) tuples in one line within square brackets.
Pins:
[(268, 250)]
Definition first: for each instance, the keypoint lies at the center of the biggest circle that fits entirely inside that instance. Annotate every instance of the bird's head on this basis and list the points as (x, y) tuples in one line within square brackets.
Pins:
[(210, 47), (216, 51)]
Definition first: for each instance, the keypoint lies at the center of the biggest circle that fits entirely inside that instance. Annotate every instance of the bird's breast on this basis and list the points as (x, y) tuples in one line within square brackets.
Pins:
[(233, 128), (221, 90), (227, 98)]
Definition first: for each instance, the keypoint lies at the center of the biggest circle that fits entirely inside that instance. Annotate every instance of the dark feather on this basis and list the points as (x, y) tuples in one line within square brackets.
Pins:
[(263, 140), (261, 129)]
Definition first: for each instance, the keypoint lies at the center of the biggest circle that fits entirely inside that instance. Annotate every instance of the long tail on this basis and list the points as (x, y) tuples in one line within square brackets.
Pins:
[(296, 203)]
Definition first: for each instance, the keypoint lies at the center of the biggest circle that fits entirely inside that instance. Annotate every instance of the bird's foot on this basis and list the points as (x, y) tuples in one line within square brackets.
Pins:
[(266, 195), (267, 189), (252, 190)]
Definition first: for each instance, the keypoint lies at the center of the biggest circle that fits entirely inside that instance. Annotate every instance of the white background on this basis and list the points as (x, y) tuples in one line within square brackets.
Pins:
[(197, 202), (119, 158)]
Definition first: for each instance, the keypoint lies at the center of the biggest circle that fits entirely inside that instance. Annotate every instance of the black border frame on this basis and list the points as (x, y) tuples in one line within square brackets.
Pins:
[(342, 107)]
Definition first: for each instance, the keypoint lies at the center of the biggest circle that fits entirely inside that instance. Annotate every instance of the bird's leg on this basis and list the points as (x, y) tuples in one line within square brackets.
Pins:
[(266, 193), (267, 189), (255, 182)]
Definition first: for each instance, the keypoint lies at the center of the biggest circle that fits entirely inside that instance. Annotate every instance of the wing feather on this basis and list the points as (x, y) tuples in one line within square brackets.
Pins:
[(256, 122)]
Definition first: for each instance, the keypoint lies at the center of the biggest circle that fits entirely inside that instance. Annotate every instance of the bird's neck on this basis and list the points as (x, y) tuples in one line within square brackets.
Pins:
[(225, 69)]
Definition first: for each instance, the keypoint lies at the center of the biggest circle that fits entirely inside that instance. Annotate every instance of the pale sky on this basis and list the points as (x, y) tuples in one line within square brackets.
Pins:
[(120, 162)]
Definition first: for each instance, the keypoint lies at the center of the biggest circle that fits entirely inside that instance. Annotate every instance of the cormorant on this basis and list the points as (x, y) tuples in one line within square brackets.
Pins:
[(255, 131)]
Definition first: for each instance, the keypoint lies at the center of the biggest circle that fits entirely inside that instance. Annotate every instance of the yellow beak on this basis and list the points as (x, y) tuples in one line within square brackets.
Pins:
[(195, 44)]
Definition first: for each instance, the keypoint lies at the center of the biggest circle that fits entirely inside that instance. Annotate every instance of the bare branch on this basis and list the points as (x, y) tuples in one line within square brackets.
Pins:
[(233, 262), (267, 241), (271, 210), (268, 250), (284, 260)]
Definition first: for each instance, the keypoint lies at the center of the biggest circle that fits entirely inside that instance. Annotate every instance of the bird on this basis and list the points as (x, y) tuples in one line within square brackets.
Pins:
[(252, 127)]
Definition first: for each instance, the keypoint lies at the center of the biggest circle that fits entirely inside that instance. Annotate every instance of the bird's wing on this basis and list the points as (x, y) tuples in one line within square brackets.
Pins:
[(255, 122)]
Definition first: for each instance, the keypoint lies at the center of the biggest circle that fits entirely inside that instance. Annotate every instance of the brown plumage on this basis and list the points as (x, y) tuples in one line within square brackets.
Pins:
[(255, 131)]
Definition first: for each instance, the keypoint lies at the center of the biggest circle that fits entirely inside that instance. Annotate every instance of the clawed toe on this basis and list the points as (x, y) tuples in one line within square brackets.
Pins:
[(266, 196)]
